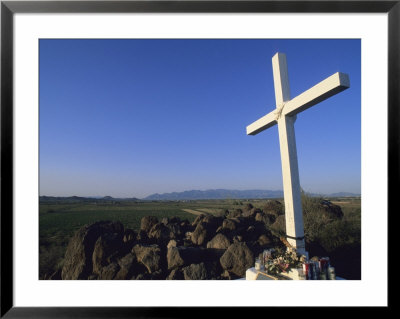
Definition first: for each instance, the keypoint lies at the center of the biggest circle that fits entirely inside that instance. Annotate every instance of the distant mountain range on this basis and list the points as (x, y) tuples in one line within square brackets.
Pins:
[(231, 194), (193, 195), (343, 194), (216, 194), (76, 199)]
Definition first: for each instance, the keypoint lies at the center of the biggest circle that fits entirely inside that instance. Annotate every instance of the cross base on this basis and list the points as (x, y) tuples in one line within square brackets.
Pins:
[(293, 274)]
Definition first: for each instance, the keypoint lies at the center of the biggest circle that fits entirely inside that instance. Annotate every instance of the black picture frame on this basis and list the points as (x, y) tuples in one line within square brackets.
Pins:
[(9, 8)]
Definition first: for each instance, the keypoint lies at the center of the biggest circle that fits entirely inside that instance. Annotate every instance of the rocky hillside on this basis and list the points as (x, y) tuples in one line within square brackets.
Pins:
[(212, 247)]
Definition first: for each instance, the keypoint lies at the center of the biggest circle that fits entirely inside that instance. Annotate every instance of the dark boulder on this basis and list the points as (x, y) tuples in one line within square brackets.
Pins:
[(266, 218), (147, 223), (250, 234), (212, 254), (142, 237), (129, 235), (203, 233), (251, 213), (149, 256), (199, 235), (78, 257), (175, 243), (183, 256), (254, 231), (242, 224), (223, 213), (265, 241), (158, 275), (172, 243), (165, 221), (226, 275), (259, 217), (175, 231), (170, 220), (213, 221), (279, 225), (229, 224), (195, 272), (198, 219), (175, 274), (331, 210), (214, 269), (142, 276), (236, 224), (274, 207), (202, 271), (159, 233), (237, 239), (185, 226), (109, 272), (219, 241), (236, 213), (107, 245), (237, 259), (129, 267)]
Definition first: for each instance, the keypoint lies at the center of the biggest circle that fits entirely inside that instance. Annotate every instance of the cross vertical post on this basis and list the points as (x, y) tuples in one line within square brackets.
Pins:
[(290, 170), (285, 115)]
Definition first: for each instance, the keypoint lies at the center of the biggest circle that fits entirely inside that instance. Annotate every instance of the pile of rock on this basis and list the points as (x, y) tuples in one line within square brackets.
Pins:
[(212, 247), (209, 248)]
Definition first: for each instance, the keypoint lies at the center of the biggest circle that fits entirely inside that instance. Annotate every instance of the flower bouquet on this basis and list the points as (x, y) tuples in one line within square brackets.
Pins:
[(277, 262)]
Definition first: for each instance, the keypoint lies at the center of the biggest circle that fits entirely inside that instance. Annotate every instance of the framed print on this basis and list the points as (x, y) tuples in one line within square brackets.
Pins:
[(124, 154)]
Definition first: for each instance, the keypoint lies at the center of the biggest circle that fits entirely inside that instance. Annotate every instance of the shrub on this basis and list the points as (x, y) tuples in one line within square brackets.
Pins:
[(322, 223), (51, 259), (317, 214), (340, 233)]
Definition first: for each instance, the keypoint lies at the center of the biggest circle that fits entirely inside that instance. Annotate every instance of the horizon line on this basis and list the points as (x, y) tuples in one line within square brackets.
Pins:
[(198, 190)]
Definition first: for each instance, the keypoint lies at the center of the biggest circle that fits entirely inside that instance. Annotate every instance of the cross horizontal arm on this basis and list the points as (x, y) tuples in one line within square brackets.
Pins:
[(262, 124), (334, 84)]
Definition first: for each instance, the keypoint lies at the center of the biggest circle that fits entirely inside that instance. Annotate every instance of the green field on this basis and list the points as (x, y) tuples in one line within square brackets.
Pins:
[(58, 220)]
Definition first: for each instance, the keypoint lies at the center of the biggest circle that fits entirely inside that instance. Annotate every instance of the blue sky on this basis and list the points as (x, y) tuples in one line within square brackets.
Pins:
[(128, 118)]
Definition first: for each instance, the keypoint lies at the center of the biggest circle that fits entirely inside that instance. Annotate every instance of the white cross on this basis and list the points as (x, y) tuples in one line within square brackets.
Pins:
[(285, 115)]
